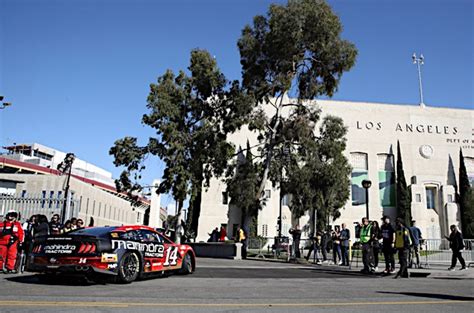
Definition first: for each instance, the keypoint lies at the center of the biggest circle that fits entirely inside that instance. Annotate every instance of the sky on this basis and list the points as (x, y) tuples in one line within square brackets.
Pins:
[(78, 71)]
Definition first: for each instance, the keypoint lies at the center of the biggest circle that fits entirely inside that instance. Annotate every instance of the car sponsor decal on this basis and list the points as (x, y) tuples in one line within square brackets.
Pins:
[(112, 266), (109, 257), (150, 249), (59, 249)]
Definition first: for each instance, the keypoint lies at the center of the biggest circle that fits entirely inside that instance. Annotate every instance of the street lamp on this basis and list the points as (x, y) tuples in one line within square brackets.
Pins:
[(419, 61), (285, 155), (366, 184), (66, 167)]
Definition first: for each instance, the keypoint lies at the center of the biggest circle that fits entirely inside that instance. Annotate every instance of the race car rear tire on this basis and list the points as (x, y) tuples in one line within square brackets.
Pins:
[(187, 265), (128, 268)]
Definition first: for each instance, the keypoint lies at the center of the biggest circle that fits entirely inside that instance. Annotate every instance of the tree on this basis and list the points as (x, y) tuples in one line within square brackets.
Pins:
[(403, 193), (241, 188), (191, 116), (466, 200), (294, 50), (321, 185)]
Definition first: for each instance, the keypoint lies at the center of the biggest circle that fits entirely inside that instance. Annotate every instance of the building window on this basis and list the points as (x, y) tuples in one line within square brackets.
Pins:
[(359, 163), (430, 198), (264, 230), (386, 175), (43, 197), (268, 193), (23, 194), (450, 199), (100, 206), (138, 217), (285, 200), (51, 196), (225, 197), (418, 197)]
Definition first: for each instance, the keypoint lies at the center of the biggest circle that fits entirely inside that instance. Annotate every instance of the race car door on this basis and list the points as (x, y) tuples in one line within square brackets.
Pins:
[(172, 256), (155, 252)]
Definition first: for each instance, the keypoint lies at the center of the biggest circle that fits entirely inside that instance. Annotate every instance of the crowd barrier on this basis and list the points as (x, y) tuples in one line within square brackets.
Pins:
[(432, 251)]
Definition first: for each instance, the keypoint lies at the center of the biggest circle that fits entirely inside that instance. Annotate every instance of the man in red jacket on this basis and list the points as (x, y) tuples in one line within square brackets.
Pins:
[(11, 235)]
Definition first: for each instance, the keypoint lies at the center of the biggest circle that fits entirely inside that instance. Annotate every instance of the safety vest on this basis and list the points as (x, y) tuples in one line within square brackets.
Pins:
[(402, 238), (365, 233)]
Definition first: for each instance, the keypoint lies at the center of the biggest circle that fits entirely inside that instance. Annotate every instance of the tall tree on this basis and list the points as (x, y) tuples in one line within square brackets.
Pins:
[(191, 115), (241, 188), (294, 50), (466, 199), (403, 193)]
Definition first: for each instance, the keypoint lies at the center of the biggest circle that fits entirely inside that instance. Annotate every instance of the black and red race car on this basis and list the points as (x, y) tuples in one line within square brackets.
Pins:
[(127, 252)]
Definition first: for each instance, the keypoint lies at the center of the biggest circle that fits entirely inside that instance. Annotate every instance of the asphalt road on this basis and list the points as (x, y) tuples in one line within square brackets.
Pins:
[(246, 286)]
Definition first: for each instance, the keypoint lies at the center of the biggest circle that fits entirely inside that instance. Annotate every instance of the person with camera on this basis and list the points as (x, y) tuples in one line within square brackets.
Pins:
[(11, 237)]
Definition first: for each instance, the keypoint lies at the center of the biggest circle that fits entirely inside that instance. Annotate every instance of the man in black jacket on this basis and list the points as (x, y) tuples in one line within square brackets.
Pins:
[(456, 243)]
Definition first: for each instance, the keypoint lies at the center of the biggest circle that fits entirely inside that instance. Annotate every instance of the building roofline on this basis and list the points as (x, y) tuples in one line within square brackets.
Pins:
[(393, 104)]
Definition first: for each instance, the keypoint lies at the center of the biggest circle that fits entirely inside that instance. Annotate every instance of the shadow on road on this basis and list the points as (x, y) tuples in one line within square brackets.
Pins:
[(430, 295)]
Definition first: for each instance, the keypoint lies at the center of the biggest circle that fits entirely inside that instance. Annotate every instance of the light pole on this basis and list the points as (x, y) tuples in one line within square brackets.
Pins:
[(419, 62), (66, 167), (285, 152), (366, 184)]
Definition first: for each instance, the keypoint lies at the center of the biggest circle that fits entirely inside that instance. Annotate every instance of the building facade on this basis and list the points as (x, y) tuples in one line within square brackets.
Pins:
[(430, 139), (30, 184)]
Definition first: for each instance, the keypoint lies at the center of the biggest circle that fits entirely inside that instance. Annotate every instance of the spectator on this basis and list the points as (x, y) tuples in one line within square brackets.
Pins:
[(214, 235), (456, 243), (73, 223), (336, 245), (42, 226), (366, 237), (377, 235), (222, 234), (296, 234), (315, 246), (80, 223), (388, 240), (415, 233), (402, 244), (55, 225), (67, 227), (242, 239), (326, 243), (345, 237)]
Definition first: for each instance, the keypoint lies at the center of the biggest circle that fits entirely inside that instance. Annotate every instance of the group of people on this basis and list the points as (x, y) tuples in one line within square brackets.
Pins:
[(402, 240), (15, 237), (221, 236), (218, 235), (337, 240)]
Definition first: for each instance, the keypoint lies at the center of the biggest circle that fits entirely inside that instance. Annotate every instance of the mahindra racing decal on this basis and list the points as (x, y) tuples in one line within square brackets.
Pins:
[(59, 249), (150, 249)]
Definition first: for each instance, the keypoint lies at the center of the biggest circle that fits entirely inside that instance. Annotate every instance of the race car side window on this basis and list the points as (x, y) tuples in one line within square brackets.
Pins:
[(131, 235), (149, 236), (164, 239)]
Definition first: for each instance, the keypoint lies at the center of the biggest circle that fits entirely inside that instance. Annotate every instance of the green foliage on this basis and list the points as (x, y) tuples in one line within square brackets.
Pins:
[(466, 200), (403, 193), (191, 116)]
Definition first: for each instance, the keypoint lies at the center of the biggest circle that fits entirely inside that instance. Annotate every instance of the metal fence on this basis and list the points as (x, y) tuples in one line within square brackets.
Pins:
[(432, 251), (37, 204)]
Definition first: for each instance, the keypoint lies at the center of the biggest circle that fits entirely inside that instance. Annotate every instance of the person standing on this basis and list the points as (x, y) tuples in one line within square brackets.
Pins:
[(388, 240), (345, 237), (376, 236), (296, 234), (366, 236), (456, 243), (222, 234), (325, 244), (336, 245), (402, 244), (55, 225), (11, 237), (42, 226), (243, 240), (415, 233)]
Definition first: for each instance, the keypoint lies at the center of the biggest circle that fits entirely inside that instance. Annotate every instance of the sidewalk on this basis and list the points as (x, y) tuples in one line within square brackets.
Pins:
[(437, 271)]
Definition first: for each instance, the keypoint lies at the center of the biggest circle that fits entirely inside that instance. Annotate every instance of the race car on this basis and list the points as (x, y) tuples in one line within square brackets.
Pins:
[(126, 252)]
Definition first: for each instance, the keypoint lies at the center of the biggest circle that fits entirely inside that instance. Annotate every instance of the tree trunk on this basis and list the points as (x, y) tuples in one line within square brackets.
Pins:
[(179, 227)]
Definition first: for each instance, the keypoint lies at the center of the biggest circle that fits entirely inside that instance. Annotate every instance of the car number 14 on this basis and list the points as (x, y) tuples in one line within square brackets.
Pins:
[(171, 256)]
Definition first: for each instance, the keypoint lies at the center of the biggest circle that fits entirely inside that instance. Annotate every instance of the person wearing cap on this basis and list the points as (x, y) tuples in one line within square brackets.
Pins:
[(10, 237)]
